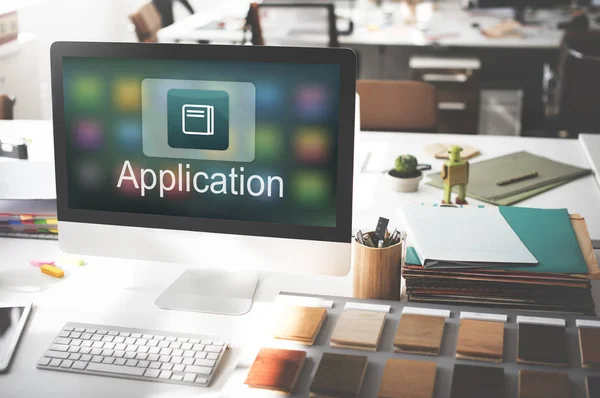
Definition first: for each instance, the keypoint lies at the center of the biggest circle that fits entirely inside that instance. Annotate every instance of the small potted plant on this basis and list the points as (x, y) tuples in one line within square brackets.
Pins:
[(405, 176)]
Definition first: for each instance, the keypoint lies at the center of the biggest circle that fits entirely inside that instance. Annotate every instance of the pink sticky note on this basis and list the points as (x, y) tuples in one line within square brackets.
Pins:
[(38, 264)]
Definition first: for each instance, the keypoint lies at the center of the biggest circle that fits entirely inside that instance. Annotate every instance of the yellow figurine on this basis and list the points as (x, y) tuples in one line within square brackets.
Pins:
[(455, 172)]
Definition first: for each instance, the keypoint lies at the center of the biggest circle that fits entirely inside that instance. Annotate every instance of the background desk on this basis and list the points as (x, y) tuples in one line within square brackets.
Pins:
[(118, 292)]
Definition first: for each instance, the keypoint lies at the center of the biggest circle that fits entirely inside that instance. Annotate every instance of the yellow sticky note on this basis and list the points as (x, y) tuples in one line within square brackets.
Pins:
[(69, 260), (52, 271)]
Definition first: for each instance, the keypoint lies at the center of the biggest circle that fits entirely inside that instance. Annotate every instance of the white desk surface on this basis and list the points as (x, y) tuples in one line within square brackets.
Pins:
[(117, 292), (448, 26)]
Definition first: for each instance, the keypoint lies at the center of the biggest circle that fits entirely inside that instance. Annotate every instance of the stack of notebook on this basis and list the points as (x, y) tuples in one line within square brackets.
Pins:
[(547, 268)]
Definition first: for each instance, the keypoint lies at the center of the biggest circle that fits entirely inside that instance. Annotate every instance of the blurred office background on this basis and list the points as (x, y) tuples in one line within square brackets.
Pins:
[(497, 67)]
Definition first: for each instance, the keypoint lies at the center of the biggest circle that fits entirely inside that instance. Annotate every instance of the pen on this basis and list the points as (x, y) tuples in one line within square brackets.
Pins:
[(517, 179)]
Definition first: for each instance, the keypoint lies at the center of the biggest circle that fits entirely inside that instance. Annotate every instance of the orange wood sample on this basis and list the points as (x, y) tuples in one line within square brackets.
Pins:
[(403, 378), (419, 334), (589, 344), (538, 384), (299, 324), (276, 369), (480, 340)]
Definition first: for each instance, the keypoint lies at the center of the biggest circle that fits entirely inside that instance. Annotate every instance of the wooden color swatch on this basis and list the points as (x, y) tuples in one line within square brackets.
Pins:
[(593, 386), (589, 343), (537, 384), (471, 381), (339, 376), (420, 334), (275, 369), (480, 340), (300, 324), (403, 378), (358, 330), (542, 345)]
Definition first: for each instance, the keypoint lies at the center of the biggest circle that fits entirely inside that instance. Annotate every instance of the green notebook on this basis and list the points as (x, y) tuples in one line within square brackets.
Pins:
[(484, 175), (547, 233)]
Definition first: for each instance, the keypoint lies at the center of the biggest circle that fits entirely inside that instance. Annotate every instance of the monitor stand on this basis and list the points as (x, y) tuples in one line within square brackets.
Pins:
[(209, 291)]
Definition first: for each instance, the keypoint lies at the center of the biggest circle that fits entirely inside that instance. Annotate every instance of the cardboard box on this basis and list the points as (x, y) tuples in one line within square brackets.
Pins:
[(9, 27)]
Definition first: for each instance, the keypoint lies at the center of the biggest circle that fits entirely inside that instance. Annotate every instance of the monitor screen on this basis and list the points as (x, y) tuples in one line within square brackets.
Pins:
[(204, 139)]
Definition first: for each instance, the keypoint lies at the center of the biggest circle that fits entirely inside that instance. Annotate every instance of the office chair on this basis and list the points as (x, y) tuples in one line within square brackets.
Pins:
[(256, 26), (573, 104), (147, 22), (7, 105), (392, 105)]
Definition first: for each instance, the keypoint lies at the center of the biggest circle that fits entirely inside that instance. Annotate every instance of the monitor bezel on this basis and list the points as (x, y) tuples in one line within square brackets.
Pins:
[(345, 58)]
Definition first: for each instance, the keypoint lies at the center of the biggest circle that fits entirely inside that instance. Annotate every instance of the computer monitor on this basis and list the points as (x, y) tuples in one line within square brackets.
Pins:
[(234, 158)]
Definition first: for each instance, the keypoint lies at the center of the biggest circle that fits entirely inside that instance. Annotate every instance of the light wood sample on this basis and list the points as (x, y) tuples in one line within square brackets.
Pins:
[(480, 340), (537, 384), (359, 330), (589, 344), (275, 369), (339, 376), (403, 378), (299, 324), (419, 334)]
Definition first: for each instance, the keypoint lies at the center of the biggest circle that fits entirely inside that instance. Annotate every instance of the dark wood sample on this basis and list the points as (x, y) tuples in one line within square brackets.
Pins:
[(420, 334), (403, 378), (276, 369), (480, 340), (542, 345), (593, 386), (299, 324), (537, 384), (339, 376), (589, 344), (470, 381)]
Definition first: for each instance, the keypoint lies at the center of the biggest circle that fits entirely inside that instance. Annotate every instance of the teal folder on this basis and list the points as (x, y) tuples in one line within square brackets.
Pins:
[(547, 233)]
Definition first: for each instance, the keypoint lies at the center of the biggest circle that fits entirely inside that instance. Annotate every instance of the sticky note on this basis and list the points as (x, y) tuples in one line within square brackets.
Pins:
[(52, 271), (69, 260), (38, 264)]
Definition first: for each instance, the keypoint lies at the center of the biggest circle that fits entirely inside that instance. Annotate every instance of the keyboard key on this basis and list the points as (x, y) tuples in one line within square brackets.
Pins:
[(177, 353), (163, 344), (74, 349), (98, 344), (125, 334), (200, 355), (87, 343), (155, 365), (75, 357), (113, 333), (178, 368), (141, 356), (120, 347), (55, 363), (119, 340), (165, 374), (143, 364), (97, 358), (57, 354), (130, 355), (109, 346), (201, 380), (64, 334), (186, 346), (198, 347), (159, 337), (218, 343), (194, 341), (153, 357), (136, 335), (212, 355), (188, 354), (174, 344), (120, 361), (119, 354), (75, 335), (107, 339), (108, 353), (57, 347), (96, 337), (129, 340), (152, 373), (198, 369), (85, 350), (79, 365), (86, 358), (109, 360), (152, 343), (44, 361), (176, 360), (86, 336), (80, 330), (165, 358), (92, 331), (96, 351), (188, 361), (143, 349), (154, 350), (131, 348), (102, 332), (212, 348), (170, 338), (189, 377), (76, 342), (131, 362), (177, 377), (166, 366), (166, 351), (141, 342), (206, 342), (147, 336), (204, 362), (114, 369), (182, 339), (68, 328)]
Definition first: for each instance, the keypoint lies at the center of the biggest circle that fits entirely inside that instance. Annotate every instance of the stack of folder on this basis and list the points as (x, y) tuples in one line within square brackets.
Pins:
[(558, 281), (22, 218)]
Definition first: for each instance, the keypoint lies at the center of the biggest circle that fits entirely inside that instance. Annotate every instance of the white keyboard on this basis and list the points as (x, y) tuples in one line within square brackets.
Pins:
[(134, 354)]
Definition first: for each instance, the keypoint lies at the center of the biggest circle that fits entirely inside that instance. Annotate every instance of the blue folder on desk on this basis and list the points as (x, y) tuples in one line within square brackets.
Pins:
[(549, 236)]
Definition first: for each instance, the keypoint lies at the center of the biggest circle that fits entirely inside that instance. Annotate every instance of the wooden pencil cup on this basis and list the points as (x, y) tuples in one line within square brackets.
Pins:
[(377, 272)]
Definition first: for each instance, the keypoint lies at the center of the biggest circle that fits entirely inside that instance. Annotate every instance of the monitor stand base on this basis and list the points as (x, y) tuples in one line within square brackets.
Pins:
[(213, 292)]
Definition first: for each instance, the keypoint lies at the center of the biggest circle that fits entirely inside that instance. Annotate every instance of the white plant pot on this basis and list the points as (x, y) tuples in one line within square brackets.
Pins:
[(404, 184)]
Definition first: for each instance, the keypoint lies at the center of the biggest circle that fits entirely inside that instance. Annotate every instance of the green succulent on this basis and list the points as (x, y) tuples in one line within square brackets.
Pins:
[(406, 165)]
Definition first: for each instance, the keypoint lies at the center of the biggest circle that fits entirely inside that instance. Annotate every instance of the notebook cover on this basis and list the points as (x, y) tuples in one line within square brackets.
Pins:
[(485, 174)]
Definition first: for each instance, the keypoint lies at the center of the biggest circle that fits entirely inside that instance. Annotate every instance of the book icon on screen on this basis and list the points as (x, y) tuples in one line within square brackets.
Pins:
[(198, 119)]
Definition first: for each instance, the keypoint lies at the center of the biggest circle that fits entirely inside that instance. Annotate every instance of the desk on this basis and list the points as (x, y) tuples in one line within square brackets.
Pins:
[(111, 291)]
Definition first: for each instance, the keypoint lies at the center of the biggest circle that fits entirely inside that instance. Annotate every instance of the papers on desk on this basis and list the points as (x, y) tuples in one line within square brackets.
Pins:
[(464, 238)]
